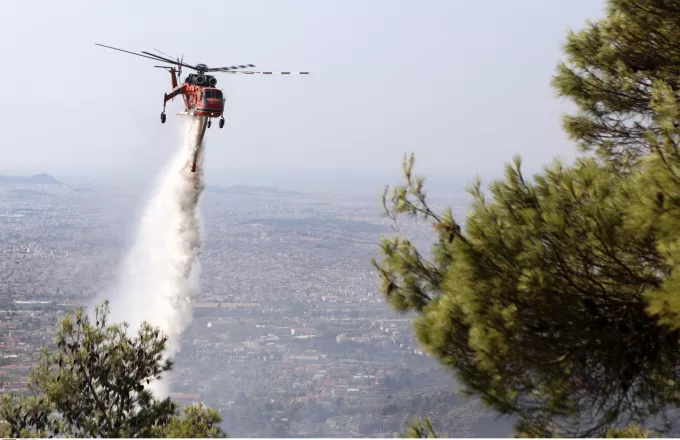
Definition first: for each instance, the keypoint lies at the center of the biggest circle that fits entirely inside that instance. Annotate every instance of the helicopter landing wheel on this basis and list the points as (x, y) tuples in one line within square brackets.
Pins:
[(209, 124), (162, 118), (222, 123)]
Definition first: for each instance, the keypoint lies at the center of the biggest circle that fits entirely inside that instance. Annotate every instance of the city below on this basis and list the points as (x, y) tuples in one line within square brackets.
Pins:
[(289, 337)]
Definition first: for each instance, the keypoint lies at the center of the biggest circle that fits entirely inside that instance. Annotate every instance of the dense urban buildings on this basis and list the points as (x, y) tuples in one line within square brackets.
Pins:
[(289, 337)]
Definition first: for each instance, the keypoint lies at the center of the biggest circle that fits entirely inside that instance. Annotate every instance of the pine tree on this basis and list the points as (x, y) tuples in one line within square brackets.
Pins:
[(539, 305), (610, 71), (633, 431), (419, 428), (198, 421), (93, 385), (558, 301)]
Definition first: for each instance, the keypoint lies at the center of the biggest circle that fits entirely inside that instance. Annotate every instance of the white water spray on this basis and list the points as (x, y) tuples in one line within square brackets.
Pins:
[(160, 275)]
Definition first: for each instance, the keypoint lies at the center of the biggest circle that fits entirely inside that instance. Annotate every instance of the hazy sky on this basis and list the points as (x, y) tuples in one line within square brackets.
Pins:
[(463, 84)]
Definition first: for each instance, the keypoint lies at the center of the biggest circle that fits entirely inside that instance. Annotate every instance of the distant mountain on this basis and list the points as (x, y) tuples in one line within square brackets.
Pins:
[(38, 179), (252, 191)]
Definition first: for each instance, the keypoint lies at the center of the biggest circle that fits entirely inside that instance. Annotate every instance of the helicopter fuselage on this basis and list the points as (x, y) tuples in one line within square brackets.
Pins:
[(201, 98)]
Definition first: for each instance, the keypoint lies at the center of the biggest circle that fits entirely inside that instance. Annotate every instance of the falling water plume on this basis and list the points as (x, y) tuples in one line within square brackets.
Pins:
[(160, 275)]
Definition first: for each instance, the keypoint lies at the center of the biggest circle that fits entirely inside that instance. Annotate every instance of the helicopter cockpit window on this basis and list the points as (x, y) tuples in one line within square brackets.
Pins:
[(218, 94)]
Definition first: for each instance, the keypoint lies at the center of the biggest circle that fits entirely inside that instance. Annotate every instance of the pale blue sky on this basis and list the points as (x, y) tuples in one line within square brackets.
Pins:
[(463, 84)]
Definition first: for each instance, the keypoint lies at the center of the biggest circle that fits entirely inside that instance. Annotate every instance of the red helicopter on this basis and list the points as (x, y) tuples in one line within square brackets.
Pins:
[(201, 98)]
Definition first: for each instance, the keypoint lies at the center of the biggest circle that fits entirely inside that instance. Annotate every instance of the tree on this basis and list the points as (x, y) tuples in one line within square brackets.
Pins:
[(93, 385), (198, 421), (633, 431), (610, 71), (419, 428), (540, 304), (557, 302)]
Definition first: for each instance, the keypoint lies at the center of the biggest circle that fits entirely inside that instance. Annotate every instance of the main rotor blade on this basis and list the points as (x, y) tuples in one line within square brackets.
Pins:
[(169, 60), (169, 56), (126, 51), (224, 69), (246, 72)]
